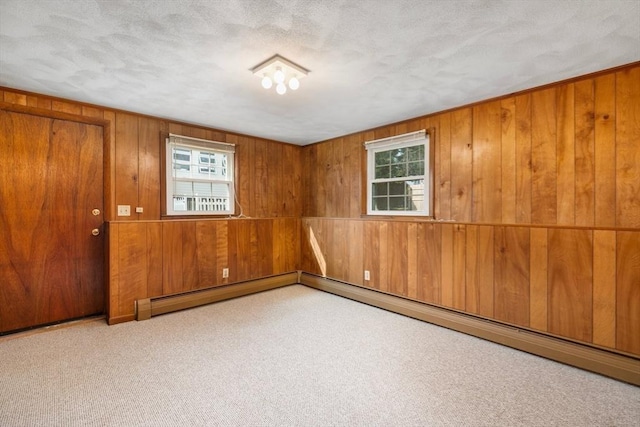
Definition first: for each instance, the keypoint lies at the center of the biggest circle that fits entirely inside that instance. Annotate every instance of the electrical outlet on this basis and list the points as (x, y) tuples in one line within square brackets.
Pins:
[(367, 276), (124, 210), (225, 273)]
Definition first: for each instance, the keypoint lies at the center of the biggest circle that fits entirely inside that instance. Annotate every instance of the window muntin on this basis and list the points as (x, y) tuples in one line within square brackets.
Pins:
[(398, 175), (199, 177)]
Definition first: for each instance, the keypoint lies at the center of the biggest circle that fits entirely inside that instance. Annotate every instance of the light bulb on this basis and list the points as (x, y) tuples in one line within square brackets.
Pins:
[(281, 89), (266, 82), (294, 83), (278, 76)]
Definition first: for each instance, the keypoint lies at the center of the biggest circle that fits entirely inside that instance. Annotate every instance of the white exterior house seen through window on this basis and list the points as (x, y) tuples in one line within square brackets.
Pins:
[(398, 175), (199, 176)]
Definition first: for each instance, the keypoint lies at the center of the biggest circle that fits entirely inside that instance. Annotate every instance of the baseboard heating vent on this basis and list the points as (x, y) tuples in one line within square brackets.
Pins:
[(148, 307)]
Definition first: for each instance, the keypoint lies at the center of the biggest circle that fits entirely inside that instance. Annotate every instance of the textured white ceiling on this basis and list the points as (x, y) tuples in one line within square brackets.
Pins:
[(372, 62)]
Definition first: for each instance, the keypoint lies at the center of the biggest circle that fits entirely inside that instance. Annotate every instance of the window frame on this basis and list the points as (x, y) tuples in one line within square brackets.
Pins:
[(201, 145), (411, 139)]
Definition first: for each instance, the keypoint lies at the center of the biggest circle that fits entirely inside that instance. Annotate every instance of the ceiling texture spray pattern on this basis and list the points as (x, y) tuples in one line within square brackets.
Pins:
[(372, 62)]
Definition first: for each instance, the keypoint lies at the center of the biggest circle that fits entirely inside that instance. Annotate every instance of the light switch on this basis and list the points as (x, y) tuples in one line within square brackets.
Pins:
[(124, 210), (139, 209)]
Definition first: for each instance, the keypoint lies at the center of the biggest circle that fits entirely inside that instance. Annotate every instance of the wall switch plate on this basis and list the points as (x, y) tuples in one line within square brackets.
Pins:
[(225, 273), (139, 209), (367, 276), (124, 210)]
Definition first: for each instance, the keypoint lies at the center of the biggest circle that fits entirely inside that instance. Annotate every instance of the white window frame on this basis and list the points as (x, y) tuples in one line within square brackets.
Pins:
[(401, 141), (199, 145)]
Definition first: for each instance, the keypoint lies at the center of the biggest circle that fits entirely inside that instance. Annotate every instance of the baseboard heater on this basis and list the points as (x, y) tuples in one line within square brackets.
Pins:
[(614, 365), (148, 307)]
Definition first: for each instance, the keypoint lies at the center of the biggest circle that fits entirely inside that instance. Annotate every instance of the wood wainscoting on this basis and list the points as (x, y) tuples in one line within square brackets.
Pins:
[(155, 258)]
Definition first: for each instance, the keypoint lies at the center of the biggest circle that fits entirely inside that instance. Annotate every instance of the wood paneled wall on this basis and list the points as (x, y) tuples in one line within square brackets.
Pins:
[(269, 173), (574, 283), (537, 212), (154, 258)]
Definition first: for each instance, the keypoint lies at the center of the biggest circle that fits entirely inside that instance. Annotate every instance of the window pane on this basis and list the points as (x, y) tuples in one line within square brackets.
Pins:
[(383, 172), (396, 203), (380, 189), (399, 155), (416, 153), (399, 170), (397, 188), (416, 168), (380, 204), (383, 158)]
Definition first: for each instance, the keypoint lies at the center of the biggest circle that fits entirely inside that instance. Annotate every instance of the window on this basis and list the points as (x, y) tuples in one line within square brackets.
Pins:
[(398, 175), (199, 176)]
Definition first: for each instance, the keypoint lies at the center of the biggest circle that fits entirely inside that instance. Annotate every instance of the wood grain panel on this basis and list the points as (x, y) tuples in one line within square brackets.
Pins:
[(245, 174), (172, 258), (605, 151), (538, 274), (570, 278), (263, 239), (149, 161), (585, 153), (15, 98), (132, 264), (461, 164), (604, 288), (291, 181), (628, 292), (459, 260), (412, 260), (206, 247), (355, 245), (508, 159), (261, 184), (274, 177), (66, 107), (222, 249), (628, 148), (566, 154), (383, 283), (397, 251), (190, 259), (110, 209), (523, 159), (154, 259), (512, 275), (479, 270), (446, 256), (430, 265), (371, 248), (443, 185), (543, 157), (126, 161), (487, 165), (322, 171)]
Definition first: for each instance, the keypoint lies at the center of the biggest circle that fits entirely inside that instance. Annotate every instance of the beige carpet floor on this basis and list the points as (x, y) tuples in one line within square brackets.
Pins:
[(293, 357)]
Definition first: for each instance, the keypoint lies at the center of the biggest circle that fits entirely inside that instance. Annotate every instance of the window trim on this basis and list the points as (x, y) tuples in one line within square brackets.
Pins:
[(198, 144), (401, 141)]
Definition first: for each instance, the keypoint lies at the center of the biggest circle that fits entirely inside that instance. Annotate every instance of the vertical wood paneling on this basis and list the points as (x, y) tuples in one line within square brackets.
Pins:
[(66, 107), (261, 184), (205, 243), (412, 260), (461, 164), (628, 292), (274, 177), (570, 278), (397, 254), (605, 151), (458, 287), (430, 266), (543, 157), (539, 277), (172, 258), (604, 288), (355, 239), (628, 148), (479, 270), (126, 162), (245, 175), (154, 259), (310, 180), (222, 250), (322, 171), (566, 154), (585, 153), (291, 181), (262, 238), (512, 275), (523, 159), (148, 168), (487, 164), (372, 253), (383, 283), (132, 264), (190, 261), (443, 151), (508, 159), (446, 291), (110, 210)]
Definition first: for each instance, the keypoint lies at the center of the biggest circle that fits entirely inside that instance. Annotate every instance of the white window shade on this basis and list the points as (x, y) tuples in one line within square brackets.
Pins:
[(395, 141)]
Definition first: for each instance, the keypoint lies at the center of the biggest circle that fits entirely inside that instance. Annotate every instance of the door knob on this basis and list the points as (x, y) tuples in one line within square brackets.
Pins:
[(95, 232), (95, 212)]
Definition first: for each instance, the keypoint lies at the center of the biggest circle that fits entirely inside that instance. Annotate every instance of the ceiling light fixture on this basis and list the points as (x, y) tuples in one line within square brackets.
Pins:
[(279, 70)]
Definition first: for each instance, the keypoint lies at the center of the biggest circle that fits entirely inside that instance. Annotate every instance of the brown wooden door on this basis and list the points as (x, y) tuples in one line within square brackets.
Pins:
[(51, 266)]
